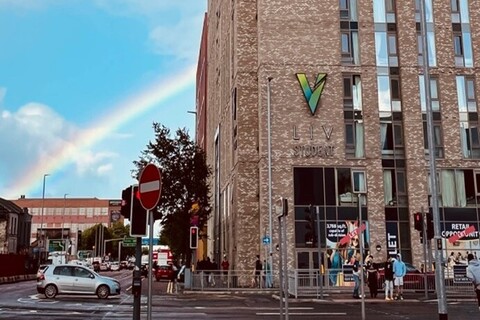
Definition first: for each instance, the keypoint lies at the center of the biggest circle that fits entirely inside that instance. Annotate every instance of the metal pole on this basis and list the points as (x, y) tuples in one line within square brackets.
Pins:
[(280, 265), (119, 251), (63, 220), (360, 242), (285, 268), (136, 277), (424, 235), (270, 232), (150, 264), (40, 249), (320, 277), (439, 272)]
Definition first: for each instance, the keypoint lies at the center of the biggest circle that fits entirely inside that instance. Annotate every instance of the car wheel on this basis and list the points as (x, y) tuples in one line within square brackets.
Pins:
[(51, 291), (103, 292)]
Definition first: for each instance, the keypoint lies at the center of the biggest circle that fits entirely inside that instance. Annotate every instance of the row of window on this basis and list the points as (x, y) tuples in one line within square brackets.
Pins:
[(386, 37), (70, 211), (391, 119), (341, 186)]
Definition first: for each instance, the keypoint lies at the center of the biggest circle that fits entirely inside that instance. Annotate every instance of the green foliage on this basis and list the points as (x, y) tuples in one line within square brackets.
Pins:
[(117, 230), (184, 181)]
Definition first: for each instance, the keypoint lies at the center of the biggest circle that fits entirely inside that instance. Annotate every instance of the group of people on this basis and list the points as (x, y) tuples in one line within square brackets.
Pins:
[(263, 274), (394, 270)]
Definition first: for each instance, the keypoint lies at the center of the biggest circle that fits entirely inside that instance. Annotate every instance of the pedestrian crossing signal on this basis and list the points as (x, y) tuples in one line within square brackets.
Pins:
[(193, 237)]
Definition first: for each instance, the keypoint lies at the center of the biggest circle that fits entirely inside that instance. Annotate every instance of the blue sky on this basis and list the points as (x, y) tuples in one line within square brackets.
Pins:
[(74, 80)]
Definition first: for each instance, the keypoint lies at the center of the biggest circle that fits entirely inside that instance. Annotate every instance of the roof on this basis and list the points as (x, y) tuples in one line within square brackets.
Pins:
[(7, 206)]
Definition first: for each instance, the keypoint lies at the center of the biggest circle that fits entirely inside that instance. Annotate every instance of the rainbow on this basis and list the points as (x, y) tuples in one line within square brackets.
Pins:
[(120, 114)]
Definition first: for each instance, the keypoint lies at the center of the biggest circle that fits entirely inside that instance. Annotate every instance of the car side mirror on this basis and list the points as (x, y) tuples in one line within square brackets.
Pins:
[(91, 276)]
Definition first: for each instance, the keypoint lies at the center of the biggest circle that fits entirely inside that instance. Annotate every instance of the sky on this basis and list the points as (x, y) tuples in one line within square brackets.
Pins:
[(81, 83)]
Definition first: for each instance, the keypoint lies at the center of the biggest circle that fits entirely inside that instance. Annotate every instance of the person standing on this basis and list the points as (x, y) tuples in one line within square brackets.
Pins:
[(388, 271), (372, 278), (357, 272), (399, 271), (473, 273), (225, 265), (258, 271)]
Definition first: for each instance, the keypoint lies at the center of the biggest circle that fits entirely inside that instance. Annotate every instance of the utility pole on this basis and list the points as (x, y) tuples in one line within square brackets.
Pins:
[(439, 272)]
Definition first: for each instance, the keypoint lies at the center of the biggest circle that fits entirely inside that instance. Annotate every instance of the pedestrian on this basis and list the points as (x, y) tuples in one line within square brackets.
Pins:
[(357, 273), (372, 279), (473, 273), (268, 275), (258, 272), (225, 265), (399, 271), (388, 271), (171, 286)]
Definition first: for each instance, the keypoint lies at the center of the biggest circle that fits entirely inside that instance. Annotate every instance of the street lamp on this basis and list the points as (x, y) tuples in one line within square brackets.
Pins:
[(41, 219), (269, 147), (64, 244)]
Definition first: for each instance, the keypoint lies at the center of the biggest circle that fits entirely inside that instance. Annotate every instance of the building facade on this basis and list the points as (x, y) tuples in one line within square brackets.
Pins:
[(325, 104), (15, 226), (65, 218)]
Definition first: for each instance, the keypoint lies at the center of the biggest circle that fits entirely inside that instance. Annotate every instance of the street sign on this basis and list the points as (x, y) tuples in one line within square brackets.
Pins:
[(462, 234), (129, 242), (353, 233), (150, 186), (266, 240)]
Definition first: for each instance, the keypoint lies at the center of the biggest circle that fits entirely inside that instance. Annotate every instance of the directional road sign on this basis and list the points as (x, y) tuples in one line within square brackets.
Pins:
[(129, 242)]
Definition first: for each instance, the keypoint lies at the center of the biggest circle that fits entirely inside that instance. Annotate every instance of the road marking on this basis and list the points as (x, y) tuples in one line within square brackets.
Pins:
[(303, 314)]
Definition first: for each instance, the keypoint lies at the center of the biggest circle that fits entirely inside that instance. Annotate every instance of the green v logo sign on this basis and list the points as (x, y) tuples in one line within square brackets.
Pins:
[(312, 95)]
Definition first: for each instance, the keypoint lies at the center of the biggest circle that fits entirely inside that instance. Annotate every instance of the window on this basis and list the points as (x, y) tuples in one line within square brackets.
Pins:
[(81, 273), (389, 94), (462, 45), (467, 107), (63, 271), (394, 188), (457, 188), (391, 137), (359, 183), (457, 44), (353, 116), (349, 32), (455, 6), (437, 138)]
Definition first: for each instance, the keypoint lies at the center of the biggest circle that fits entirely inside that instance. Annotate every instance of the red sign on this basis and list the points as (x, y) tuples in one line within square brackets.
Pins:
[(150, 186), (462, 234), (352, 234)]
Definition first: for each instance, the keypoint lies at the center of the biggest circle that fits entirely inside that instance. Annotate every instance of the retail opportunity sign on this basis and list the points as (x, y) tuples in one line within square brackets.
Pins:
[(461, 234), (465, 231)]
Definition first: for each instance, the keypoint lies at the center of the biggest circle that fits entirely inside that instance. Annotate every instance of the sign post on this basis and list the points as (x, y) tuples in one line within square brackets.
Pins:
[(150, 188)]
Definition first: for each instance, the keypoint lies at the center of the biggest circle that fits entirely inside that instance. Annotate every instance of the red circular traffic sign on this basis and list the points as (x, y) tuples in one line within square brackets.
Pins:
[(150, 186)]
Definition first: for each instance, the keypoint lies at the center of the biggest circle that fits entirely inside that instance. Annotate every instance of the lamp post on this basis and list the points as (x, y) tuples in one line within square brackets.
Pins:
[(64, 244), (41, 220), (269, 137)]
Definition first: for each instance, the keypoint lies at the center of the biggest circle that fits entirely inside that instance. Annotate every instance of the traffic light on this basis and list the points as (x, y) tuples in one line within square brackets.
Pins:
[(137, 206), (418, 221), (430, 231), (126, 202), (193, 237)]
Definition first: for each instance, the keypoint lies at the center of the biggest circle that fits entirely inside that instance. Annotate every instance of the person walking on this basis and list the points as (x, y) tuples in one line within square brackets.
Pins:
[(357, 273), (399, 271), (473, 273), (225, 266), (258, 272), (172, 280), (388, 271)]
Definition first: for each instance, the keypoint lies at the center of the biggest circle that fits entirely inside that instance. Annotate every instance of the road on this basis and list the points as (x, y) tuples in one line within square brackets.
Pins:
[(21, 301)]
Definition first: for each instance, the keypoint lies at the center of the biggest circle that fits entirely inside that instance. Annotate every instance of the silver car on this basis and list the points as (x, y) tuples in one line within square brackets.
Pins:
[(75, 279)]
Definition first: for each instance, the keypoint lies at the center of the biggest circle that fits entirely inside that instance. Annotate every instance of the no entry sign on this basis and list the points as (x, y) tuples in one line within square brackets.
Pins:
[(150, 186)]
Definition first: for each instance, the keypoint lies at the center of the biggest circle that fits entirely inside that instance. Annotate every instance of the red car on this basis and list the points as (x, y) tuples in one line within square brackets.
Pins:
[(164, 272)]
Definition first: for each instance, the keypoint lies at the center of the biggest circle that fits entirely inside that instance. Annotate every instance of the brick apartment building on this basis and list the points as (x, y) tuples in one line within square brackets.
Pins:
[(68, 214), (344, 83)]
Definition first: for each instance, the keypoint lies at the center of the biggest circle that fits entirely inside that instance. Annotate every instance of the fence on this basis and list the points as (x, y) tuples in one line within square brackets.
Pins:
[(310, 283)]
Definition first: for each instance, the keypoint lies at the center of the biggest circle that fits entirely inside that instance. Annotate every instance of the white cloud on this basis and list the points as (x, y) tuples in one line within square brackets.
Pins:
[(175, 26), (34, 132)]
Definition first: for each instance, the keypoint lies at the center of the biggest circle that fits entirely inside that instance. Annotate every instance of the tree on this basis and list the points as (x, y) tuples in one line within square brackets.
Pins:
[(185, 176)]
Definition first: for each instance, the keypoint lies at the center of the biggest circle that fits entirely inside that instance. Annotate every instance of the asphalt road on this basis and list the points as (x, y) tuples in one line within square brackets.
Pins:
[(20, 301)]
